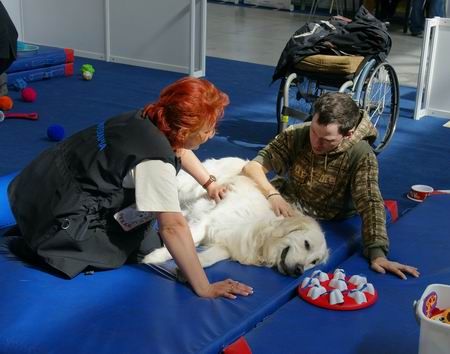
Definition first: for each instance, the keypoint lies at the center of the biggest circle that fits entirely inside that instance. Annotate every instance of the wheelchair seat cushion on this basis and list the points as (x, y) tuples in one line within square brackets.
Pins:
[(330, 64)]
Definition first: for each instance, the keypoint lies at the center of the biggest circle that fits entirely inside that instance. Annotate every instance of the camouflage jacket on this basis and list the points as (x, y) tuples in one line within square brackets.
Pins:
[(331, 186)]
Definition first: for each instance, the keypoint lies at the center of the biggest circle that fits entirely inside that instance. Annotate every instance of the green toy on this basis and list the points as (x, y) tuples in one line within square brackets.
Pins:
[(87, 70)]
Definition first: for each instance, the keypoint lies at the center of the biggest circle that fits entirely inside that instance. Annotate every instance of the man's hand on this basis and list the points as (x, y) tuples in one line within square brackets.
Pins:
[(216, 191), (382, 264), (280, 206)]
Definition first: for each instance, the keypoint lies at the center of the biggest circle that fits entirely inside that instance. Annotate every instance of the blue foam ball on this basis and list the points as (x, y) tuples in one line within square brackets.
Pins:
[(55, 132)]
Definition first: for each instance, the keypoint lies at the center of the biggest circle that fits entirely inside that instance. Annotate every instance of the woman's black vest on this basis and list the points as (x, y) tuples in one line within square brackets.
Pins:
[(64, 201)]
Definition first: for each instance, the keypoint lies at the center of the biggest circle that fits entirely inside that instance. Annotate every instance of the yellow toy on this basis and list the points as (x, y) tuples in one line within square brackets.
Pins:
[(443, 316)]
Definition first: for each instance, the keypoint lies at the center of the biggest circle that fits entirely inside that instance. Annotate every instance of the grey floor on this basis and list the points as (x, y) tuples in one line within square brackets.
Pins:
[(258, 35)]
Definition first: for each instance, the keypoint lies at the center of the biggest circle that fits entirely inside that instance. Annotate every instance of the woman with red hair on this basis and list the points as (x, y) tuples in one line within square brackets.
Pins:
[(101, 190)]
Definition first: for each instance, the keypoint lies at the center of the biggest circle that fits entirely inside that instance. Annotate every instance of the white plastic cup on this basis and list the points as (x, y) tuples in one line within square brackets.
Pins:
[(419, 192)]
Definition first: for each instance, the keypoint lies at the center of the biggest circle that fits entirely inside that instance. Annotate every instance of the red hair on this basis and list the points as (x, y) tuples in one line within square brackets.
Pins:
[(185, 107)]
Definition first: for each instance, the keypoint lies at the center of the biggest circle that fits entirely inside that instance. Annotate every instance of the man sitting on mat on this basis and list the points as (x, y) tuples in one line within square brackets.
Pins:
[(332, 173)]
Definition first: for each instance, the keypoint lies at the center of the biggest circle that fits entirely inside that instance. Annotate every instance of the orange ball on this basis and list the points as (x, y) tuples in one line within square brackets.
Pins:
[(6, 103)]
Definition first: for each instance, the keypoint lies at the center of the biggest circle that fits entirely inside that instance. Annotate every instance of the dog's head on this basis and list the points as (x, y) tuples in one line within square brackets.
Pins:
[(297, 244)]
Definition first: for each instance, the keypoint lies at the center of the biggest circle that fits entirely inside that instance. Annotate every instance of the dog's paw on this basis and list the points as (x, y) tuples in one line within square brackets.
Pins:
[(159, 255)]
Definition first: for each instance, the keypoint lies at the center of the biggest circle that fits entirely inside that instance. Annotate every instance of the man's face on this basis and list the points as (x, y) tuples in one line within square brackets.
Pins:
[(325, 138)]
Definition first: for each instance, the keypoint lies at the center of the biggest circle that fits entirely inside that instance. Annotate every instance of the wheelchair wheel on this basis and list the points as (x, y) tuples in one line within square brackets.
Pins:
[(295, 100), (381, 101)]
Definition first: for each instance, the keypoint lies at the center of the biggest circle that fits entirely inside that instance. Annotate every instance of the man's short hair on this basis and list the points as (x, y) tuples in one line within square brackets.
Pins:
[(337, 107)]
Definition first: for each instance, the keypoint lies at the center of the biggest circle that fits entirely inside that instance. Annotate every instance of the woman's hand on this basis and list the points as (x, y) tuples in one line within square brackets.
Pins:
[(227, 288), (174, 231), (279, 205), (192, 165), (216, 191)]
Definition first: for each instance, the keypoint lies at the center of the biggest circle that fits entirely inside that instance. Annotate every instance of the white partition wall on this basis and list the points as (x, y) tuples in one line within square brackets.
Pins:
[(161, 34), (433, 89), (157, 34), (76, 24)]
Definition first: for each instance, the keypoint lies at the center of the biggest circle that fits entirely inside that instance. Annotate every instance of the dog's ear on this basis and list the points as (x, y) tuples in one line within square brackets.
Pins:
[(282, 227)]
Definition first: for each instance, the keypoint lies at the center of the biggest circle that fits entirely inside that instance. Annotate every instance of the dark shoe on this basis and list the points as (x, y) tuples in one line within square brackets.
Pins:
[(417, 34)]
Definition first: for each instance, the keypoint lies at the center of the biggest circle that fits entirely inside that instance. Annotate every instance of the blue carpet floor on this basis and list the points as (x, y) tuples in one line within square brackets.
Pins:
[(418, 153)]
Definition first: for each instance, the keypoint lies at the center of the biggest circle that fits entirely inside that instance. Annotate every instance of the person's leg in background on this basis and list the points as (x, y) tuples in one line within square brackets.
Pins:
[(392, 8), (417, 18), (387, 10), (432, 8), (435, 8)]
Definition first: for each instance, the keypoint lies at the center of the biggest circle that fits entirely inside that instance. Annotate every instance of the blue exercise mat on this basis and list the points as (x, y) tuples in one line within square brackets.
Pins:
[(41, 57), (419, 238), (134, 309)]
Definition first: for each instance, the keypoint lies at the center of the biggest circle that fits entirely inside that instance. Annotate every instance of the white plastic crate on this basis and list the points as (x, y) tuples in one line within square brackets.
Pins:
[(434, 335)]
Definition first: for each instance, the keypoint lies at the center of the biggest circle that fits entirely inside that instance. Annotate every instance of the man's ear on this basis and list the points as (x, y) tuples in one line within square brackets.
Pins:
[(349, 134)]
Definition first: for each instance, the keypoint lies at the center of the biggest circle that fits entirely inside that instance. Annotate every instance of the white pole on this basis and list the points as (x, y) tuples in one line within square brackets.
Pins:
[(204, 26), (107, 32), (192, 41)]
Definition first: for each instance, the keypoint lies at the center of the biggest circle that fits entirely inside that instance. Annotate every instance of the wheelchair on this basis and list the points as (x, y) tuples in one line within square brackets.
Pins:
[(370, 81)]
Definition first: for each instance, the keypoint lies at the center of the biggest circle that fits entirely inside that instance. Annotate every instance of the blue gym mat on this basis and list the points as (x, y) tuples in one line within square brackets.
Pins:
[(419, 238), (43, 57), (42, 63), (136, 310)]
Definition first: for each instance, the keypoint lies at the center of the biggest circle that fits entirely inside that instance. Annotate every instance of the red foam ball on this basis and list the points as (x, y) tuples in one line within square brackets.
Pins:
[(29, 94)]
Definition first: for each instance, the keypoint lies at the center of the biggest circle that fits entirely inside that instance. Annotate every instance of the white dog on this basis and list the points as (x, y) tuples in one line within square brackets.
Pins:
[(243, 226)]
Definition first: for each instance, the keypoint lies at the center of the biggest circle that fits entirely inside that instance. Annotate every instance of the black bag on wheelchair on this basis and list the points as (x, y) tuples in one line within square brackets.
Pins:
[(365, 35)]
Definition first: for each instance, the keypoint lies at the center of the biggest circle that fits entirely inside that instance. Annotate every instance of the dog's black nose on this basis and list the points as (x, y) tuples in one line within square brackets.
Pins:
[(299, 269)]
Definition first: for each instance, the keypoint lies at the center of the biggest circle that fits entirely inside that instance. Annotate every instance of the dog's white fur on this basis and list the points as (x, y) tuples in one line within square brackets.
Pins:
[(243, 226)]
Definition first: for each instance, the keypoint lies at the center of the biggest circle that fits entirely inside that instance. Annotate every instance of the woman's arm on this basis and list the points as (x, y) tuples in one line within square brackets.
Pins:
[(176, 235), (192, 165)]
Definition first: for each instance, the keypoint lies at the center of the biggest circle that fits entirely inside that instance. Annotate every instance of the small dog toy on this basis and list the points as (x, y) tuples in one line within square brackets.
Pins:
[(55, 132), (29, 116), (28, 94), (87, 71), (6, 103), (431, 311), (443, 316), (337, 291)]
